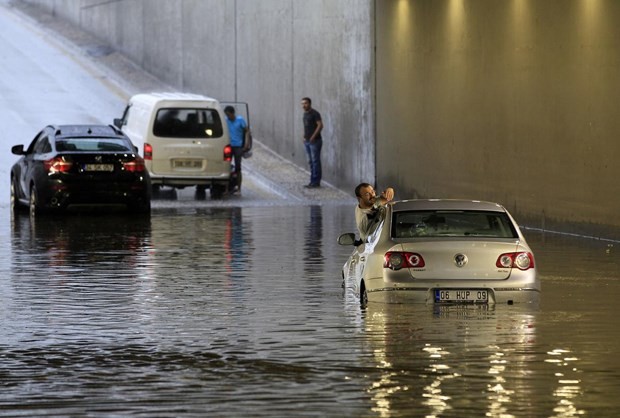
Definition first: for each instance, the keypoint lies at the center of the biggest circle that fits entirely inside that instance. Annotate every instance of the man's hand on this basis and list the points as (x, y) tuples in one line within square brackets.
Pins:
[(387, 194)]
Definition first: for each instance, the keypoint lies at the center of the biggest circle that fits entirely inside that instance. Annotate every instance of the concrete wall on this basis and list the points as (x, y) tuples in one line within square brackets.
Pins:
[(510, 101), (269, 53)]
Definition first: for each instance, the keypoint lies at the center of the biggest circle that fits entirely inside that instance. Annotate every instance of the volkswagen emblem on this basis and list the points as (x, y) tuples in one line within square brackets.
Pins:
[(98, 158), (460, 260)]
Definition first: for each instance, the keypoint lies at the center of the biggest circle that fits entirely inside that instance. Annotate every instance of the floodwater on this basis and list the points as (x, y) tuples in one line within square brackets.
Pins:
[(238, 311)]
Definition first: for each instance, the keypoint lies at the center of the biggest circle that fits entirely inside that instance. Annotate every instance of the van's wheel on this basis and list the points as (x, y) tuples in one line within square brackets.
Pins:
[(155, 189), (363, 296), (217, 191), (201, 192)]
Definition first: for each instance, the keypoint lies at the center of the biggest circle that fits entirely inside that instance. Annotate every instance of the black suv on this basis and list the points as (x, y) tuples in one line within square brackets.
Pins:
[(79, 165)]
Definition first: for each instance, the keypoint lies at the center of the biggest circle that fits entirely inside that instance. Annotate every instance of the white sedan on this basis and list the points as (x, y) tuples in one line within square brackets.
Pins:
[(442, 251)]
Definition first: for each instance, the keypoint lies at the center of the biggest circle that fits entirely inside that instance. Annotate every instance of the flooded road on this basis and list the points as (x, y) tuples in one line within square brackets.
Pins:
[(226, 311)]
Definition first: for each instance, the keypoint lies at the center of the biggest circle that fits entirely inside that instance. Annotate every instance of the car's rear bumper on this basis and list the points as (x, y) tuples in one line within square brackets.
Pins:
[(496, 295), (59, 195)]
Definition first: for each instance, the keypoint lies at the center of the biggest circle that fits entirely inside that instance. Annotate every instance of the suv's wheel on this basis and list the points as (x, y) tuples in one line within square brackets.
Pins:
[(33, 203), (14, 201), (142, 206)]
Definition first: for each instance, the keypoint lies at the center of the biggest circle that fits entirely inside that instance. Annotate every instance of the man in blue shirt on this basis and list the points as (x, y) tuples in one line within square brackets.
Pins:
[(239, 141)]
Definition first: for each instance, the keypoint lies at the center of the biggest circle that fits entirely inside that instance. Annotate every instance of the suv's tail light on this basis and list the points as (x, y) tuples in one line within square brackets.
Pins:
[(520, 260), (148, 152), (135, 166), (396, 260), (57, 165), (228, 153)]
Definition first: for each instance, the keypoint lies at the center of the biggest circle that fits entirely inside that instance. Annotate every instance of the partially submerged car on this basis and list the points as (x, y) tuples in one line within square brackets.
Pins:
[(439, 251)]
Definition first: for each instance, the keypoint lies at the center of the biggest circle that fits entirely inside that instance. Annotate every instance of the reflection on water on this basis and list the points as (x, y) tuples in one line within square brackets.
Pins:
[(313, 242), (440, 361), (229, 311)]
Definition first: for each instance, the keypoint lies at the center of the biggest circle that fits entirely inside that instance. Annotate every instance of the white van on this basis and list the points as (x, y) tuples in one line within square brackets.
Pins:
[(183, 139)]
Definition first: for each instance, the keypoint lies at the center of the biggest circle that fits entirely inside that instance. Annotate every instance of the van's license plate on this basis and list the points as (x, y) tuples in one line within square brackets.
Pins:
[(461, 295), (187, 163), (98, 167)]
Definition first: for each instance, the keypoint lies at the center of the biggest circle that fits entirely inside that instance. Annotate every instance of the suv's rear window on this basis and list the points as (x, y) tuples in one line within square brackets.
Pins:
[(93, 144), (452, 223), (187, 123)]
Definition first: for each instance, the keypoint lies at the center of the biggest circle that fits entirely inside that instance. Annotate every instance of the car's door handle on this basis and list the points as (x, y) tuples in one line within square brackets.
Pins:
[(362, 258)]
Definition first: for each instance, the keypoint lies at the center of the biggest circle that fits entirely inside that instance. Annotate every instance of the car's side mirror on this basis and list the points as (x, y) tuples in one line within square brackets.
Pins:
[(18, 149), (118, 122), (346, 239)]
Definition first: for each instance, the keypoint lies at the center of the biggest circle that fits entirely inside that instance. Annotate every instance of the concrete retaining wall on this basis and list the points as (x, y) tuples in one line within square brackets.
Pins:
[(269, 53), (510, 101)]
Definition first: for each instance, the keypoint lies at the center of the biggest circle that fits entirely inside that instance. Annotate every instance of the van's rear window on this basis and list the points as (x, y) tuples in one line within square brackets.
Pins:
[(187, 123)]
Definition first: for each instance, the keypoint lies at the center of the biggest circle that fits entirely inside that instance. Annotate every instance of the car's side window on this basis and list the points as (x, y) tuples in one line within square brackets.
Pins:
[(42, 145), (35, 142)]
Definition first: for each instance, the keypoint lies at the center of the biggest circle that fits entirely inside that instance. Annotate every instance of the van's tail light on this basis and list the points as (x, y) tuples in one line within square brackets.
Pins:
[(396, 260), (148, 152), (228, 153), (520, 260), (57, 165), (135, 166)]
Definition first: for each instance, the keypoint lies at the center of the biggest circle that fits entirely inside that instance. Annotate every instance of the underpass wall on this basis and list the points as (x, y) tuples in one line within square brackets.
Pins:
[(507, 101), (269, 53)]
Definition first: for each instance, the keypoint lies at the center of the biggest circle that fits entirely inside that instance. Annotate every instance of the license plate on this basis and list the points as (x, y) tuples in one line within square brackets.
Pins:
[(461, 295), (98, 167), (187, 163)]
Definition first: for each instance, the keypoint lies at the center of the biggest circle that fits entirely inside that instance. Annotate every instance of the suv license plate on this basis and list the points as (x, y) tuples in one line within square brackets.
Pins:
[(99, 167), (461, 295)]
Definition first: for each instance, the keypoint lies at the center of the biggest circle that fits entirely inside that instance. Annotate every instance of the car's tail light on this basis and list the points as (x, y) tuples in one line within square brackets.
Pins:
[(148, 152), (227, 153), (396, 260), (134, 166), (57, 165), (521, 260)]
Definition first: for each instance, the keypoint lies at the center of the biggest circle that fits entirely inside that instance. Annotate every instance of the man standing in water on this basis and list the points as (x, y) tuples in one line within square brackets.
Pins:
[(313, 125)]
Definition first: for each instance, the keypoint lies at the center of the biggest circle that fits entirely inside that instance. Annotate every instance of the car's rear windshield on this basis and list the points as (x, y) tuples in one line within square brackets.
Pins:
[(452, 223), (93, 144), (187, 123)]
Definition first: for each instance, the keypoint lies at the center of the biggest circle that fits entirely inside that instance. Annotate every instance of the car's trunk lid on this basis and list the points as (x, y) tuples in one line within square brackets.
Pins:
[(456, 259)]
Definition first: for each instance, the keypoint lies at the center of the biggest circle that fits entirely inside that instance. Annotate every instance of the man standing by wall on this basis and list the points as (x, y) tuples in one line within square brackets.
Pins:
[(239, 133), (312, 141)]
